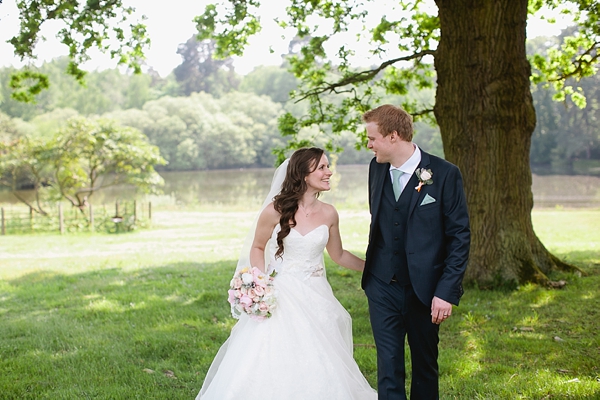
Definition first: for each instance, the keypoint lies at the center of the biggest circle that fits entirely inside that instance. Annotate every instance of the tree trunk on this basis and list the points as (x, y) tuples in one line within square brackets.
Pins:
[(486, 116)]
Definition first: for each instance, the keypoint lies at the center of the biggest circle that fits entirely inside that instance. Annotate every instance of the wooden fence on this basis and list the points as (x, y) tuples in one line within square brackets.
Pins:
[(120, 217)]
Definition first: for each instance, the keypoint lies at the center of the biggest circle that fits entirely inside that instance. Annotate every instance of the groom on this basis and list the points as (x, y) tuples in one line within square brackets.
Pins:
[(417, 253)]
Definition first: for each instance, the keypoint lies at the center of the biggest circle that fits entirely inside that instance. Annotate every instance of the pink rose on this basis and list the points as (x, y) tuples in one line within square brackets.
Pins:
[(259, 291), (259, 277), (232, 296), (236, 283), (246, 301), (251, 293), (263, 307)]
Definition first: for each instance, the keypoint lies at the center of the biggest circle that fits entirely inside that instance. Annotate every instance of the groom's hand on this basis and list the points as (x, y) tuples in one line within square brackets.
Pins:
[(440, 310)]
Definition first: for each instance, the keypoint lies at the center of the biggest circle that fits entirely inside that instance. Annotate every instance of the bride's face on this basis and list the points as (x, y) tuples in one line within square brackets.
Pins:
[(318, 180)]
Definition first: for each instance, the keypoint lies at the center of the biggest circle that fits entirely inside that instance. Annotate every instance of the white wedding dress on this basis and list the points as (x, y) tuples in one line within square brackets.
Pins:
[(304, 351)]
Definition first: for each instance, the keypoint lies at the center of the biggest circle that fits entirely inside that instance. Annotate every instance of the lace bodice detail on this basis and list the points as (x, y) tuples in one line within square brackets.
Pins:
[(303, 254)]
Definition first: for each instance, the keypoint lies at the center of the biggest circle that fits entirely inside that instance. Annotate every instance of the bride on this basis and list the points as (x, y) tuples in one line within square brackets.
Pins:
[(304, 350)]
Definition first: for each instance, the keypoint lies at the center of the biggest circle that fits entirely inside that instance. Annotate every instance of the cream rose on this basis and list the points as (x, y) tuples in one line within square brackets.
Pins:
[(236, 283), (247, 278)]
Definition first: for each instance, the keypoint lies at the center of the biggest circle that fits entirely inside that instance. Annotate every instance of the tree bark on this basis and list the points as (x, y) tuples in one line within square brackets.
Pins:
[(486, 116)]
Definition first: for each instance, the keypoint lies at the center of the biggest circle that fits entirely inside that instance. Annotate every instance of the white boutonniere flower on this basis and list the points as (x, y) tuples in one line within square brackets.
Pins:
[(424, 176)]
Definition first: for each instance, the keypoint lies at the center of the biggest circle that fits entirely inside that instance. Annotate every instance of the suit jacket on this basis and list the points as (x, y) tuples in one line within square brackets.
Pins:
[(438, 234)]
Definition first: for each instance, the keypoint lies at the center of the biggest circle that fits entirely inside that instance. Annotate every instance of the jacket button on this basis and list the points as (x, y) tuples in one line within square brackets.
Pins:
[(396, 223), (395, 253), (396, 238)]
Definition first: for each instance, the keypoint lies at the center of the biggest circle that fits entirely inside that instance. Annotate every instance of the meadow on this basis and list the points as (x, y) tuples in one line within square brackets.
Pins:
[(142, 314)]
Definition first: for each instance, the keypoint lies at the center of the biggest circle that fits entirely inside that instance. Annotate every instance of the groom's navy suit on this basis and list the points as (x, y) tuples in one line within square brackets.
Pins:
[(418, 248)]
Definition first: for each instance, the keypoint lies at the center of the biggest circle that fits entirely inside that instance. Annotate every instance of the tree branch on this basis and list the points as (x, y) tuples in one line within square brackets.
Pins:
[(579, 64), (422, 112), (362, 76), (22, 200)]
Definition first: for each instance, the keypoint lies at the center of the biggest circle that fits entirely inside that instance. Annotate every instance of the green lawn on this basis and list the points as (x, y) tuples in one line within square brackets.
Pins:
[(141, 315)]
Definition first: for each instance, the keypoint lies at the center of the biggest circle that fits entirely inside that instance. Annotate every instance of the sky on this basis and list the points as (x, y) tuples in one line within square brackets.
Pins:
[(171, 24)]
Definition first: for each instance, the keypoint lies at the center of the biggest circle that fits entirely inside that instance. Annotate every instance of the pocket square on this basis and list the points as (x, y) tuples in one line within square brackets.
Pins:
[(428, 199)]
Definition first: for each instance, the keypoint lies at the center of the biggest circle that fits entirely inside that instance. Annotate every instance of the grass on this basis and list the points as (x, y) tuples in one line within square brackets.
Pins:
[(141, 315)]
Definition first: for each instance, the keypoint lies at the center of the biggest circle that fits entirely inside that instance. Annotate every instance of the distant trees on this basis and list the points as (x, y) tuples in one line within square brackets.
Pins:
[(25, 160), (103, 91), (566, 134), (189, 129), (91, 154), (84, 156), (202, 132), (272, 81), (200, 72)]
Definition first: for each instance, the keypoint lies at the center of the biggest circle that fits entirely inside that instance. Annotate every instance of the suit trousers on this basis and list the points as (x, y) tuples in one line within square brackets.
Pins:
[(397, 313)]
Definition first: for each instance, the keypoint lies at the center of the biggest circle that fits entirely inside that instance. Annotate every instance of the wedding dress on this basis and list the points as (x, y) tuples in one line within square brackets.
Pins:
[(304, 351)]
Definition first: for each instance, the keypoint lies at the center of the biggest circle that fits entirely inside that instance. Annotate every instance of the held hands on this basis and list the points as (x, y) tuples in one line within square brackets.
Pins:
[(440, 310)]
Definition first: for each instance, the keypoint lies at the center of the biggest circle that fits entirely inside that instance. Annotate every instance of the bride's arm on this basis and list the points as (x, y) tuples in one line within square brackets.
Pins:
[(264, 228), (335, 249)]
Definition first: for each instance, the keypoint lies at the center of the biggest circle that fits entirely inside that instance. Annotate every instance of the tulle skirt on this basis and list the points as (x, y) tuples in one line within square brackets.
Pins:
[(304, 351)]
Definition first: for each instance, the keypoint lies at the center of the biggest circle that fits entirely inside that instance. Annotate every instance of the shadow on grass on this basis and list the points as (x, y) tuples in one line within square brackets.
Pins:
[(531, 343), (153, 332), (70, 336)]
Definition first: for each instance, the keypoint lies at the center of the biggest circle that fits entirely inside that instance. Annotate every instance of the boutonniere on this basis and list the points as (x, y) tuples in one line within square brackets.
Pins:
[(424, 176)]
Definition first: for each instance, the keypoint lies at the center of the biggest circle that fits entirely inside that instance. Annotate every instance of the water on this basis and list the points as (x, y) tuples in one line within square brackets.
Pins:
[(246, 189)]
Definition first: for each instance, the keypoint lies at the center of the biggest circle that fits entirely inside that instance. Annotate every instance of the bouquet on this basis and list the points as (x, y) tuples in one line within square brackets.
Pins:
[(252, 293)]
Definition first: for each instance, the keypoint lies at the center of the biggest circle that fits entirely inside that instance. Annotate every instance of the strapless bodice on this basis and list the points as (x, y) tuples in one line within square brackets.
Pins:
[(303, 254)]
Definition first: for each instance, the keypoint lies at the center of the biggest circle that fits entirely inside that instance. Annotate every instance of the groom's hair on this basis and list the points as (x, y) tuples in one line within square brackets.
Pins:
[(390, 118)]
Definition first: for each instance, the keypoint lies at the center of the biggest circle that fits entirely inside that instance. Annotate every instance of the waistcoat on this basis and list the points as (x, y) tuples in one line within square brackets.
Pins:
[(389, 248)]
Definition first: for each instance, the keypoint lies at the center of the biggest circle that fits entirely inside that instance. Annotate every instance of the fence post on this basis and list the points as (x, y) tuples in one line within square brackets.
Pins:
[(150, 210), (61, 226), (117, 208), (31, 218), (134, 211), (91, 218), (3, 223)]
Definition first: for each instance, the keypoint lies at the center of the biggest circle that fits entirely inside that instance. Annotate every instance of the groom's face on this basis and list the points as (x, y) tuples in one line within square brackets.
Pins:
[(379, 144)]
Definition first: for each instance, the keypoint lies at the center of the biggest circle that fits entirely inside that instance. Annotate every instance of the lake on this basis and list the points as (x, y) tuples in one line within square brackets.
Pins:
[(246, 189)]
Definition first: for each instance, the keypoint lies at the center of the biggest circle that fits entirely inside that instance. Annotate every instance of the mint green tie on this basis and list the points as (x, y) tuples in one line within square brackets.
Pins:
[(396, 174)]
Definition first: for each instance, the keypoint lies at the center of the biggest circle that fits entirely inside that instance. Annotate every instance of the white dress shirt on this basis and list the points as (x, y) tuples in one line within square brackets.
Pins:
[(408, 168)]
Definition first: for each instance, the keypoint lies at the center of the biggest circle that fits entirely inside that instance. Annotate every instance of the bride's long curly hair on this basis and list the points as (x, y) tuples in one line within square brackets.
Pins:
[(302, 163)]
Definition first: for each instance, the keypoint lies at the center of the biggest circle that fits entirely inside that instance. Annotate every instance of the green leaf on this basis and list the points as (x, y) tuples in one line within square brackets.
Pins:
[(26, 84)]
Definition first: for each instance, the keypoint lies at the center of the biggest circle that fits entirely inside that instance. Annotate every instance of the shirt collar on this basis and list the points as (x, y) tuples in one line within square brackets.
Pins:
[(412, 163)]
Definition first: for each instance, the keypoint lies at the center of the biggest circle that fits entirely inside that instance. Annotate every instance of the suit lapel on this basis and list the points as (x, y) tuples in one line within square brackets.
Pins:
[(382, 172), (414, 181), (377, 187)]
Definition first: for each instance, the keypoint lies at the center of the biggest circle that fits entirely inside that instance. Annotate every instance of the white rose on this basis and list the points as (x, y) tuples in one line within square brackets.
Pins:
[(247, 278), (425, 176)]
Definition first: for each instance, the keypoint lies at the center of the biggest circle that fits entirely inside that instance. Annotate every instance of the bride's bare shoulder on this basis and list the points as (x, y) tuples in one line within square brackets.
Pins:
[(330, 212), (270, 214)]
